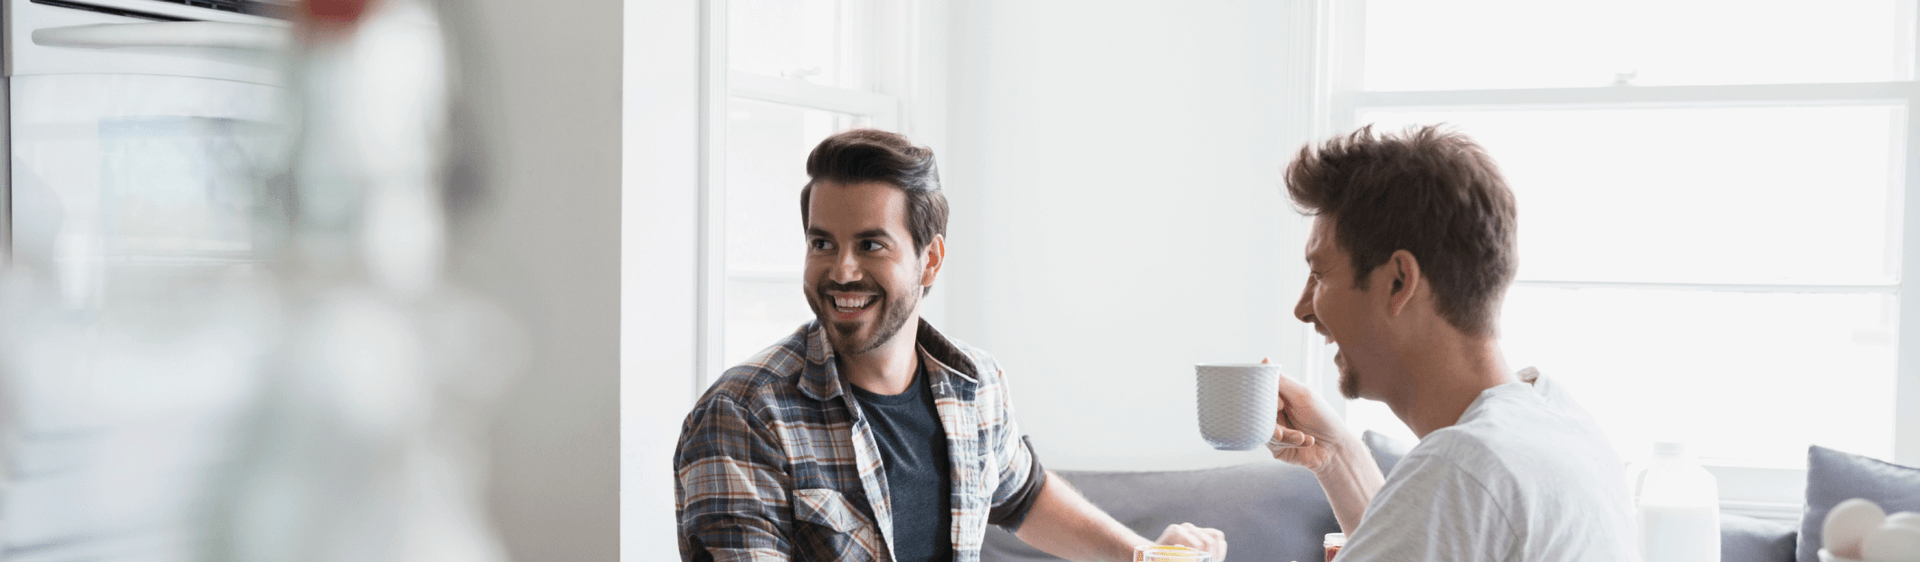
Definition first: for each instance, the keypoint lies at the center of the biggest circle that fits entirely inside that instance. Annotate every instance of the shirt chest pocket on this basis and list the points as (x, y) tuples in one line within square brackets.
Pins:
[(829, 528)]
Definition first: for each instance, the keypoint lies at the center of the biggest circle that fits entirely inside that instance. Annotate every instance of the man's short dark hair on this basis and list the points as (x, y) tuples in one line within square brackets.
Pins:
[(870, 155), (1432, 192)]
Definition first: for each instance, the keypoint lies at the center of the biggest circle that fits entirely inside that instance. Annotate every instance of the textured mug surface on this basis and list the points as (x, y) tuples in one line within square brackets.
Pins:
[(1237, 404)]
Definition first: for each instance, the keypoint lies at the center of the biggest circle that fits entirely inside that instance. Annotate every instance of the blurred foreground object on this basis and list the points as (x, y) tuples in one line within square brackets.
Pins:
[(333, 13), (230, 337), (134, 310)]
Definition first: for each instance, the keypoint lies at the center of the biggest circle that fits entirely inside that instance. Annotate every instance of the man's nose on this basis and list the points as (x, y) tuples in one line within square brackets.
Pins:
[(845, 268), (1303, 310)]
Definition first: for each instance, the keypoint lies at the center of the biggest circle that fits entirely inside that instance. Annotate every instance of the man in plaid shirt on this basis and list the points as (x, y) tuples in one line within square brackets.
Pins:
[(856, 438)]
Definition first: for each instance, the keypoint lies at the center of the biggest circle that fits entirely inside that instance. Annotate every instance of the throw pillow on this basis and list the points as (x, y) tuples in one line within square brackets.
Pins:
[(1386, 450), (1834, 476)]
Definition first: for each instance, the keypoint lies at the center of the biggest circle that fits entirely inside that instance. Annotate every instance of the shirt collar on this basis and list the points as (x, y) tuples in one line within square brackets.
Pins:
[(821, 379)]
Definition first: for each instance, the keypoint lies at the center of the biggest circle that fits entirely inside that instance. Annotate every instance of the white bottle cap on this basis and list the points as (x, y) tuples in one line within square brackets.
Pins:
[(1668, 449)]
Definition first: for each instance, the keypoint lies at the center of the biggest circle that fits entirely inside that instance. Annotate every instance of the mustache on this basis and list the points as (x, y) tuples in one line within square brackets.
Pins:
[(861, 286)]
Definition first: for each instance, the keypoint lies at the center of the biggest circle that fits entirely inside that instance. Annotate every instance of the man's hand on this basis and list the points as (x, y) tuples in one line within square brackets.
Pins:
[(1306, 433), (1212, 541), (1066, 525)]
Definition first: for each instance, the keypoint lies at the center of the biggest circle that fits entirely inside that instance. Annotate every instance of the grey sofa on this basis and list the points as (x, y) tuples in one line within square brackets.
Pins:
[(1269, 510), (1272, 511)]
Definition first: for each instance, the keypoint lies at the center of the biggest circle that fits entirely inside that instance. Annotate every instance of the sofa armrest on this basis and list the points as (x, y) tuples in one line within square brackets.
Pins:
[(1745, 539)]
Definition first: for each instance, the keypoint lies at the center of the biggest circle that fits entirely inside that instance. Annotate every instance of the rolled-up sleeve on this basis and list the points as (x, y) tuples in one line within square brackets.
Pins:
[(1011, 510), (1021, 475), (730, 487)]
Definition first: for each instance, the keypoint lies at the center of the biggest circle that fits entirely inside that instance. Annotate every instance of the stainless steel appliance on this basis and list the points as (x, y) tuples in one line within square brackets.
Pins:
[(140, 138), (131, 128)]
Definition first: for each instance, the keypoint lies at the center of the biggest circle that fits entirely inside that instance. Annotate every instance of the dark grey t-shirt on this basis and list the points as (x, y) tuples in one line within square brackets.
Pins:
[(913, 447)]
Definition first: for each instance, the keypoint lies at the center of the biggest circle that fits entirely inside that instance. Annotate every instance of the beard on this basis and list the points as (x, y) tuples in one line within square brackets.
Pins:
[(1349, 377), (895, 308), (1349, 384)]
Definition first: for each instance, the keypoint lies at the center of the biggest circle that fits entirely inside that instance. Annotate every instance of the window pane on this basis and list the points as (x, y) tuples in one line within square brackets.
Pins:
[(767, 147), (1486, 44), (791, 38), (760, 313), (1750, 376), (1794, 195)]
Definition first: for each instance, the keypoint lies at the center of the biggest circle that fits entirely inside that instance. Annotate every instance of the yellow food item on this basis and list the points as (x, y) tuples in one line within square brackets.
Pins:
[(1168, 553)]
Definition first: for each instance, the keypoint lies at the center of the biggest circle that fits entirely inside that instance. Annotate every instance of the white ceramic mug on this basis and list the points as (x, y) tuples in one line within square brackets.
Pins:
[(1238, 404)]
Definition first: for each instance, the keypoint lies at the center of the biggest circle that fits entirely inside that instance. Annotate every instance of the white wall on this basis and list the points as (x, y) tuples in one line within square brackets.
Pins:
[(658, 263), (553, 256), (1118, 214), (1195, 259)]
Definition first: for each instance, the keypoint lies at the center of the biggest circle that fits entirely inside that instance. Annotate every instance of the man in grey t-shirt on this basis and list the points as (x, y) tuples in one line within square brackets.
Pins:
[(1411, 253)]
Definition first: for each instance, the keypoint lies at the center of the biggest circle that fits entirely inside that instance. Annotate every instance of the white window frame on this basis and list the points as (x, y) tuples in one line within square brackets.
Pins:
[(1764, 492), (901, 66)]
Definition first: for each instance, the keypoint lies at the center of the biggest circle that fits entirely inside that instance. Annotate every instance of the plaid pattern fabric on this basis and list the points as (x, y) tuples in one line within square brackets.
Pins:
[(776, 461)]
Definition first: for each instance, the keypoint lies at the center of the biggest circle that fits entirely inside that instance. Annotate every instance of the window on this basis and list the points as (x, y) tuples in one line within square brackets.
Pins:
[(1712, 210), (782, 75)]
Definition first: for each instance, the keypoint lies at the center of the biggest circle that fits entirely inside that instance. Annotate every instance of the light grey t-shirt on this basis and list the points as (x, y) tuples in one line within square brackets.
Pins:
[(1524, 475)]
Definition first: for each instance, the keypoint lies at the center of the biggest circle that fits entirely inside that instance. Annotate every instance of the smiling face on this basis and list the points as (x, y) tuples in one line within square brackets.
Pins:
[(1349, 317), (864, 279)]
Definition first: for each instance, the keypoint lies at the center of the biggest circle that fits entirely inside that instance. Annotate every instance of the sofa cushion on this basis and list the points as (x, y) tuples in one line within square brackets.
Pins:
[(1269, 510), (1834, 476)]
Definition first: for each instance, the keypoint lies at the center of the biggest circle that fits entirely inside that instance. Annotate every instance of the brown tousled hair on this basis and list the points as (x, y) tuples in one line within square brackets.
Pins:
[(1432, 192), (867, 155)]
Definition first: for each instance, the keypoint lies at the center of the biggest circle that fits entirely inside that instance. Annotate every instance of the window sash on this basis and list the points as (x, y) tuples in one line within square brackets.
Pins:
[(1742, 95), (1766, 492), (885, 22), (882, 110)]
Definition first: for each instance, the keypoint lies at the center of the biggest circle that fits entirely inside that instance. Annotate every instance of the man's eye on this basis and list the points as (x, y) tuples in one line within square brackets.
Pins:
[(870, 246), (819, 244)]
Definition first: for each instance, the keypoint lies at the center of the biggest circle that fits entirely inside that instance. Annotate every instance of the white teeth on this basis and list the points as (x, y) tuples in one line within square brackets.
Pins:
[(851, 302)]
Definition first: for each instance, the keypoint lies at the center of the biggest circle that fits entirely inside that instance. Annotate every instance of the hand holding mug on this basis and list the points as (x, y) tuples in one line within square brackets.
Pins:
[(1305, 431)]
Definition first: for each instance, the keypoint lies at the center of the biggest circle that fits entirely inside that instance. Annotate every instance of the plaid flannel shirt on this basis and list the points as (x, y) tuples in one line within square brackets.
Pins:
[(776, 461)]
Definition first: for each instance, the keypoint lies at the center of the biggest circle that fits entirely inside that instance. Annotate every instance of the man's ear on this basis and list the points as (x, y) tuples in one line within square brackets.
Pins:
[(934, 257), (1406, 280)]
